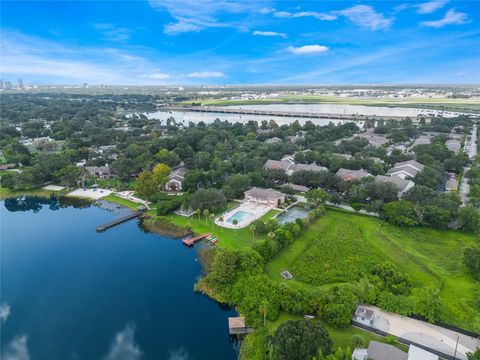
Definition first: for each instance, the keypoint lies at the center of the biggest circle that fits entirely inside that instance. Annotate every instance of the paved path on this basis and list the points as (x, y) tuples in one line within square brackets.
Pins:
[(464, 187)]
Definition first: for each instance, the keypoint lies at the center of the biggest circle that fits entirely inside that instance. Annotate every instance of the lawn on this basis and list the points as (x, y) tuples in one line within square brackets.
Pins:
[(8, 193), (120, 201), (227, 238), (339, 247)]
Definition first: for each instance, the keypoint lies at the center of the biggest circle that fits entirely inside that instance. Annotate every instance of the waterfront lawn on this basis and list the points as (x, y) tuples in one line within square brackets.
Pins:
[(121, 201), (340, 247), (6, 193), (227, 238)]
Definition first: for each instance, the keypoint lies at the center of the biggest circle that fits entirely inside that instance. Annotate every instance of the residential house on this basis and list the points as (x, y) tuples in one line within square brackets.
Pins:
[(100, 172), (352, 175), (264, 197), (288, 165), (453, 145), (452, 183), (364, 316), (273, 140), (380, 351), (416, 353), (401, 184), (176, 178), (406, 169)]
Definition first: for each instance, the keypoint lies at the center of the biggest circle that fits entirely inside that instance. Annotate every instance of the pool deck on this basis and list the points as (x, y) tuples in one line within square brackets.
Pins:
[(256, 211)]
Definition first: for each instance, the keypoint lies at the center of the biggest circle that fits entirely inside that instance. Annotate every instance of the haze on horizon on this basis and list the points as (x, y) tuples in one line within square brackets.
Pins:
[(167, 42)]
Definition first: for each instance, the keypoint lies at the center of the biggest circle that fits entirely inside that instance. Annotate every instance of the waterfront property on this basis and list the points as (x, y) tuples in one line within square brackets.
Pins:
[(176, 178), (264, 197)]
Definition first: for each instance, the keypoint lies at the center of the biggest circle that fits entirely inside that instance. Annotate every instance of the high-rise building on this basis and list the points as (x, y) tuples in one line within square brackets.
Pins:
[(20, 83), (2, 84), (85, 85), (8, 85)]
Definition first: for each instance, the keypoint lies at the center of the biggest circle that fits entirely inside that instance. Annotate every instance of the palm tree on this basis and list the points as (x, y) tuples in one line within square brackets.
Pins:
[(212, 217), (235, 223), (271, 235), (198, 212), (311, 216), (253, 228), (206, 213)]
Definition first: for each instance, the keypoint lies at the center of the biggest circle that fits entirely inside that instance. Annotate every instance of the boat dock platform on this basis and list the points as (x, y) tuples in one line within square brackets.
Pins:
[(190, 241), (121, 220)]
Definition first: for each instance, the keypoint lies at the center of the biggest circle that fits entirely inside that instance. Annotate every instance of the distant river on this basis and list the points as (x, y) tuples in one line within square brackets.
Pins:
[(68, 292), (185, 117)]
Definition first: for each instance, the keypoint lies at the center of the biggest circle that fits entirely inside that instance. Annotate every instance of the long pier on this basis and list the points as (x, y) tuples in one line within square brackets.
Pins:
[(297, 114), (119, 221)]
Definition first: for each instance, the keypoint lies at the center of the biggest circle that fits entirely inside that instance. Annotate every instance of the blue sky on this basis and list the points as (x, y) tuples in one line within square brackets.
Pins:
[(239, 42)]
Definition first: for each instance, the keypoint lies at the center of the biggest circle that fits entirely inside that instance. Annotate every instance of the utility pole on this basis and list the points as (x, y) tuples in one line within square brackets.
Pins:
[(456, 346)]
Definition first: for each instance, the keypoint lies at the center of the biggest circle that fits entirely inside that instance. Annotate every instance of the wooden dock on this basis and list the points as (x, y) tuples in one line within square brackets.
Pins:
[(190, 241), (120, 220)]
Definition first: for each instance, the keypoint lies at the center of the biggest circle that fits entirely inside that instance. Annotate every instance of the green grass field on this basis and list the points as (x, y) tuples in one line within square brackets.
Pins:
[(339, 246), (227, 238), (120, 201)]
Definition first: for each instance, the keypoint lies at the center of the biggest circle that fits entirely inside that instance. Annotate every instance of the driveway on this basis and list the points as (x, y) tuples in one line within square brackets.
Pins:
[(423, 333)]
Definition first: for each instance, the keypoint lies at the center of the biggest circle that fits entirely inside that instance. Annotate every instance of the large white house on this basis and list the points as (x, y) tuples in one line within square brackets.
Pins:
[(176, 178), (264, 197)]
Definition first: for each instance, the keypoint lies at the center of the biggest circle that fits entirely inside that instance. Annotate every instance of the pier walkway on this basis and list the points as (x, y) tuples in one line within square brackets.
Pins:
[(120, 220)]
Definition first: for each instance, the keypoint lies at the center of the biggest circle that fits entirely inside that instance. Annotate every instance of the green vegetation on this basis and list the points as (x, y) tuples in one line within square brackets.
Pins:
[(341, 248), (121, 201), (227, 238)]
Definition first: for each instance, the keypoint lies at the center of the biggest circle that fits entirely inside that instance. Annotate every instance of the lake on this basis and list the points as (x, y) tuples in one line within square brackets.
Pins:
[(68, 292), (188, 116)]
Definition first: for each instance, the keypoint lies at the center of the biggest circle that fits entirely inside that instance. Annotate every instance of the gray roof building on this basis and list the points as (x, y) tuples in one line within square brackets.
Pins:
[(380, 351), (405, 169), (350, 175), (402, 185)]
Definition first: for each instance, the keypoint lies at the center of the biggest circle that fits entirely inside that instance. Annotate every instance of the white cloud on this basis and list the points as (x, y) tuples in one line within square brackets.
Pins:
[(430, 6), (194, 15), (308, 49), (314, 14), (206, 74), (16, 349), (4, 312), (124, 346), (451, 18), (112, 33), (269, 33), (158, 76), (366, 16)]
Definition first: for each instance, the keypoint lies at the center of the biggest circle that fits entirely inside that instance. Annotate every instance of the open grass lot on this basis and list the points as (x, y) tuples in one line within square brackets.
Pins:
[(338, 247), (458, 104), (120, 201), (227, 238)]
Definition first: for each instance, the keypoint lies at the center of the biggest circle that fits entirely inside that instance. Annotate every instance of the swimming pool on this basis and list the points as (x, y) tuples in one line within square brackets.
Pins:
[(292, 214), (239, 216)]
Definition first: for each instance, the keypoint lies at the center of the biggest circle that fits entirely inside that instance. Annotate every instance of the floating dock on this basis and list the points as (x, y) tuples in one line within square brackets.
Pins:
[(190, 241), (120, 220)]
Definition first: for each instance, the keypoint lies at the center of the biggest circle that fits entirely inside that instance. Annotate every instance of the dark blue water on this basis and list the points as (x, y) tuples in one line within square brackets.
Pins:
[(68, 292)]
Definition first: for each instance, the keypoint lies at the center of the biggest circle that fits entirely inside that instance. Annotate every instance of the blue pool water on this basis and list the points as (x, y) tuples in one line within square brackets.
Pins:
[(239, 216), (70, 293)]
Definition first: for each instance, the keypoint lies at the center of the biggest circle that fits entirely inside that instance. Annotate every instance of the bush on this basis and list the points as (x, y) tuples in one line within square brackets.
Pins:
[(300, 340)]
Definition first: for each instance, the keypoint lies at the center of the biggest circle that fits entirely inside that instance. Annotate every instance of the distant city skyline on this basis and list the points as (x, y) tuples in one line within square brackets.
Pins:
[(162, 42)]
